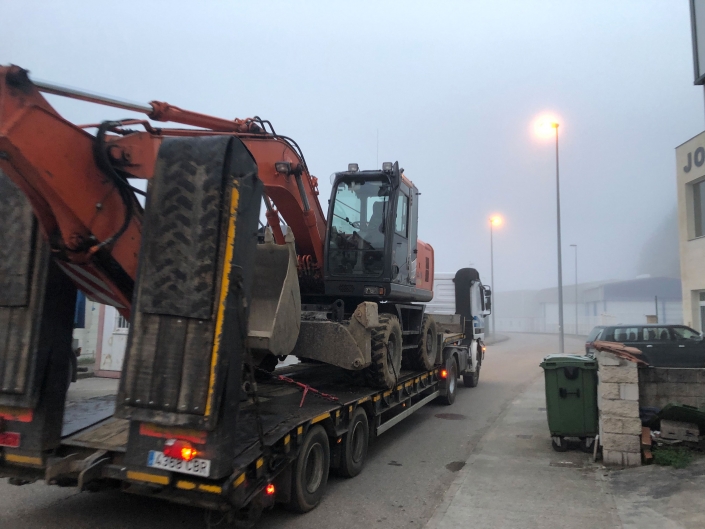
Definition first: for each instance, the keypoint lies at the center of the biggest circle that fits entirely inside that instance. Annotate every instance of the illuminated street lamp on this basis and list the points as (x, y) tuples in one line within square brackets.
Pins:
[(545, 127), (495, 220)]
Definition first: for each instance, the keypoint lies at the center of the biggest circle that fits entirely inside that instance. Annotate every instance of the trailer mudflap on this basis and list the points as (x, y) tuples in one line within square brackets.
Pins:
[(36, 315), (189, 322)]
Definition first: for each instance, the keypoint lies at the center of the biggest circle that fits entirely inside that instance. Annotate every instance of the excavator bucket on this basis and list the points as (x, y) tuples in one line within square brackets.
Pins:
[(275, 311)]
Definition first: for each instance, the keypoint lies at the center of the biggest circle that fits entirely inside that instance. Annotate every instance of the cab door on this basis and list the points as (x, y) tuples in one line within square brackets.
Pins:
[(400, 243)]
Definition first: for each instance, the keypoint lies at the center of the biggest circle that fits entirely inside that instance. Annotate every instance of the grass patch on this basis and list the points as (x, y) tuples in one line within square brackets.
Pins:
[(674, 456)]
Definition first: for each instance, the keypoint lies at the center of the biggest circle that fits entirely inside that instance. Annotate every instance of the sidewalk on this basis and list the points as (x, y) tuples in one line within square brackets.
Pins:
[(514, 479)]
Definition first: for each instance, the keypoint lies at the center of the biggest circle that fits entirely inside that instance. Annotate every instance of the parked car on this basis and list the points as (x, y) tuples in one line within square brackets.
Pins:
[(594, 333), (661, 345)]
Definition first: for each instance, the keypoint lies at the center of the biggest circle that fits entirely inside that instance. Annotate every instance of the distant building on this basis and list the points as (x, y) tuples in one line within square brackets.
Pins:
[(101, 333), (690, 171), (598, 303)]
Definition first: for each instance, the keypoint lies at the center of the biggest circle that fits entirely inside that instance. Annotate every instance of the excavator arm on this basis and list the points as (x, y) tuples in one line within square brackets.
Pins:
[(78, 185)]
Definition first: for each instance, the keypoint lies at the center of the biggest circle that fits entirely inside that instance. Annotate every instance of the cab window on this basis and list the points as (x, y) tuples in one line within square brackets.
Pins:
[(402, 214)]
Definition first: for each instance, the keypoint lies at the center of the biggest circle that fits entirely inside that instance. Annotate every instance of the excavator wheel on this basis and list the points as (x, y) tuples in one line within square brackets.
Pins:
[(385, 369), (424, 358)]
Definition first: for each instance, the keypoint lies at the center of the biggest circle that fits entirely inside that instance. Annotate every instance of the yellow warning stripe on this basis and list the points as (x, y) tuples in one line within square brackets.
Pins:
[(375, 398), (189, 485), (259, 463), (287, 439), (185, 485), (364, 399), (239, 480), (321, 417), (150, 478), (24, 460), (224, 288)]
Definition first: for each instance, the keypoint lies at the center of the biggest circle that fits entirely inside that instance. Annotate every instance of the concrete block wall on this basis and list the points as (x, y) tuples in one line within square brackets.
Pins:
[(659, 386), (618, 404)]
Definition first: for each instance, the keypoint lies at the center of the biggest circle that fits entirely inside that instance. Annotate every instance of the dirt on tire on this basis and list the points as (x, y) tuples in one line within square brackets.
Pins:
[(385, 369)]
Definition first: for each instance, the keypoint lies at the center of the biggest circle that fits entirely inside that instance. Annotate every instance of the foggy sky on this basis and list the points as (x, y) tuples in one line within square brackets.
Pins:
[(452, 88)]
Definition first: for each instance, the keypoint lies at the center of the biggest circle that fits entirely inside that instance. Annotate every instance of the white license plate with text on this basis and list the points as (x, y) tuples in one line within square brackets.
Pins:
[(196, 467)]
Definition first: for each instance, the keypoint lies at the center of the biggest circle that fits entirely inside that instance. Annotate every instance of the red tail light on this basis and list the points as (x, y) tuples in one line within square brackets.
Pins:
[(179, 449), (270, 489), (10, 439), (444, 373)]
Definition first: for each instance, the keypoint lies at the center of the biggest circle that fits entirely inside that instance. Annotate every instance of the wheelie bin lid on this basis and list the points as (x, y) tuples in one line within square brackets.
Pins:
[(557, 361)]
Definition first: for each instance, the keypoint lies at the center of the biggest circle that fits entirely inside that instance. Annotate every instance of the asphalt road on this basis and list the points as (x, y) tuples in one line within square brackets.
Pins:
[(409, 468)]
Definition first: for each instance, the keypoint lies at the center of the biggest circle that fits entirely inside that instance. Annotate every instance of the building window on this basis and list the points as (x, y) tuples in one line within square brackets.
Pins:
[(699, 208), (121, 324)]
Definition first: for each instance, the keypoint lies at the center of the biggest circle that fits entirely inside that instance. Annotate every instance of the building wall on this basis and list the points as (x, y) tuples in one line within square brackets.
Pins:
[(87, 337), (692, 249)]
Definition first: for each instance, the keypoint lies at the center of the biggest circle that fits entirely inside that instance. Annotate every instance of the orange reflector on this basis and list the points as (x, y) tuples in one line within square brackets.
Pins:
[(179, 449), (444, 373), (270, 489)]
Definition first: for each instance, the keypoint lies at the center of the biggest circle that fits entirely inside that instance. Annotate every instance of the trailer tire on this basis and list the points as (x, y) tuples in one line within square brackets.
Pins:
[(385, 369), (451, 382), (425, 356), (354, 451), (310, 471)]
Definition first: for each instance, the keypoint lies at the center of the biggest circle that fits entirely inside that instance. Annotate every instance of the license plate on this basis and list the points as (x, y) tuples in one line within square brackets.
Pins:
[(196, 467)]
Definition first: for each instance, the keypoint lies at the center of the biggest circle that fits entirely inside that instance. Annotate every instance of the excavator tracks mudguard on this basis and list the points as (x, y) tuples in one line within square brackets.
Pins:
[(189, 323)]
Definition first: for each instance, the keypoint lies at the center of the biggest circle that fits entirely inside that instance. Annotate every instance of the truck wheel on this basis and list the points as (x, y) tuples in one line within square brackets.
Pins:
[(310, 472), (425, 355), (385, 369), (451, 369), (471, 380), (355, 443)]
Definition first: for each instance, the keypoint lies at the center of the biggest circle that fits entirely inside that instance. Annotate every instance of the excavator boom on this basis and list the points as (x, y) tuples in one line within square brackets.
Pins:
[(78, 186)]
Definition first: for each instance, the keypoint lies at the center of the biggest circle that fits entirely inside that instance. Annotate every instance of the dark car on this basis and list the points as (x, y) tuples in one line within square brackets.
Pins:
[(594, 335), (661, 345)]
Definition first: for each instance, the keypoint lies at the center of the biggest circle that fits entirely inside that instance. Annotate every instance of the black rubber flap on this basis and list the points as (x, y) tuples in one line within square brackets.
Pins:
[(181, 228), (167, 376), (16, 245)]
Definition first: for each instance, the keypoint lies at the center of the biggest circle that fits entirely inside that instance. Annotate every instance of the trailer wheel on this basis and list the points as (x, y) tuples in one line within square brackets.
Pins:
[(310, 472), (355, 445), (425, 356), (451, 382), (471, 380), (385, 369)]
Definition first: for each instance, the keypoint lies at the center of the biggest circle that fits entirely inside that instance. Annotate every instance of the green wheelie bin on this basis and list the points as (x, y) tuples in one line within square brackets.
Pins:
[(571, 399)]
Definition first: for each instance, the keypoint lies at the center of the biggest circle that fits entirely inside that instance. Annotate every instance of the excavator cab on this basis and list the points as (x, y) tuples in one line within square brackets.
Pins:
[(372, 249)]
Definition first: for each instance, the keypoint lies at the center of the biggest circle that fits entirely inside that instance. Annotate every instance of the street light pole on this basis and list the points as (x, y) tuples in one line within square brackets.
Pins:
[(576, 287), (494, 298), (561, 339)]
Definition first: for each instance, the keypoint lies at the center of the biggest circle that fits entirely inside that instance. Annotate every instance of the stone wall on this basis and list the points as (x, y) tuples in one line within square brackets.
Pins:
[(659, 386), (618, 404)]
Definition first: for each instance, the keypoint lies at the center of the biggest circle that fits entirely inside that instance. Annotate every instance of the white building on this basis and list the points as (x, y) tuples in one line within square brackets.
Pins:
[(102, 336), (690, 171), (600, 303)]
